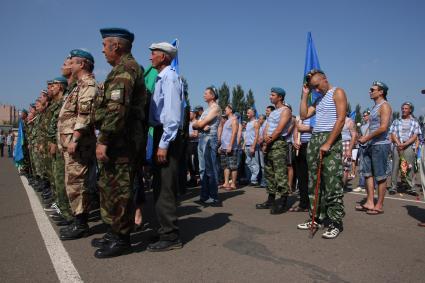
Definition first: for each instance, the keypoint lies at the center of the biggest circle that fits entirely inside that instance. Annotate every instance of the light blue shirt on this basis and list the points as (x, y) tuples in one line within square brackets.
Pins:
[(167, 103)]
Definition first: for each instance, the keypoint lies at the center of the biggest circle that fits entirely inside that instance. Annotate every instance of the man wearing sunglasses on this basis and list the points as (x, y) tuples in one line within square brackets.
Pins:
[(404, 133), (376, 149)]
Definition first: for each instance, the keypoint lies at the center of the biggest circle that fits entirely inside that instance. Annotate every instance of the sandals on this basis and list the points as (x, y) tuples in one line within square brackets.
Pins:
[(298, 209), (374, 212), (361, 207)]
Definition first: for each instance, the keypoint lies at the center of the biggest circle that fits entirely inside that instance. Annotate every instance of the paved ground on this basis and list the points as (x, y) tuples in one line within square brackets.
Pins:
[(234, 243)]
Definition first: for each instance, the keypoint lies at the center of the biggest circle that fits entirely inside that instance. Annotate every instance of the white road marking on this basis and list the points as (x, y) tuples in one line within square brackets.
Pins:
[(61, 261), (408, 200)]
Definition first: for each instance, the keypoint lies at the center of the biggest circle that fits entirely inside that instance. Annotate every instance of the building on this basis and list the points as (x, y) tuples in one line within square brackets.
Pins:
[(9, 115)]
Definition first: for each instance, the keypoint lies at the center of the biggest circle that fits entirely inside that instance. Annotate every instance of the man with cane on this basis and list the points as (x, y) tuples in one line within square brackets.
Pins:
[(324, 154)]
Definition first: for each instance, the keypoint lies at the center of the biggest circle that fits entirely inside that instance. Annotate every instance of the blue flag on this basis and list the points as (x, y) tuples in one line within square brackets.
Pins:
[(175, 62), (18, 152), (353, 115), (311, 62)]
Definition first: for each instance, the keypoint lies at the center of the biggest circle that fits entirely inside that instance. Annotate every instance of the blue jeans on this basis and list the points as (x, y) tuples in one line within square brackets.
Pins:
[(207, 154), (252, 163), (375, 161)]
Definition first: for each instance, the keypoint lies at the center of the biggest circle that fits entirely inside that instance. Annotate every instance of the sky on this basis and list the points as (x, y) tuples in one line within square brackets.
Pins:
[(257, 44)]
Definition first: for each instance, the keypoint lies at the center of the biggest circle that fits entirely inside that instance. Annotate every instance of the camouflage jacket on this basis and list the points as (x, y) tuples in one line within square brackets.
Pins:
[(120, 114), (76, 112), (52, 127)]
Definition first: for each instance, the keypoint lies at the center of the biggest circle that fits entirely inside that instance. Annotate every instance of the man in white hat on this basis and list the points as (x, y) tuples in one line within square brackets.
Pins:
[(166, 116)]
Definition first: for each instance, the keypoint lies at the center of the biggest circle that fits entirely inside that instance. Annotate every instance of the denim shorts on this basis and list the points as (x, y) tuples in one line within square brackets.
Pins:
[(375, 161)]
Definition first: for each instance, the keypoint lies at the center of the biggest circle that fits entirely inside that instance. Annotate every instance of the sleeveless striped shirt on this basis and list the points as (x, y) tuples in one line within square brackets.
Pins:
[(325, 113), (375, 123), (273, 121)]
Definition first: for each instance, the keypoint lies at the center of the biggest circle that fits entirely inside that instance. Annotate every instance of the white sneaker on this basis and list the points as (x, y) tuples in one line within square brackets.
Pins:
[(307, 225), (332, 232), (52, 208), (358, 189)]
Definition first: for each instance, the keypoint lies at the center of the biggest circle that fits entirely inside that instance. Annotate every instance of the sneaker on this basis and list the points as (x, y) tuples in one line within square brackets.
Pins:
[(358, 190), (52, 208), (332, 232), (307, 225), (392, 191)]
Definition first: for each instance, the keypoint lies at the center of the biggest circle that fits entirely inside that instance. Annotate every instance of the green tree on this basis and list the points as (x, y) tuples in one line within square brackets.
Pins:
[(358, 118), (250, 100), (396, 115), (223, 95), (348, 108), (238, 99), (186, 91)]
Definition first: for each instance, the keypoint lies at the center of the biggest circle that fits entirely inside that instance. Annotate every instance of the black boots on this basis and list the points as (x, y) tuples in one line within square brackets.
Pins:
[(116, 245), (279, 205), (101, 242), (77, 229), (267, 204)]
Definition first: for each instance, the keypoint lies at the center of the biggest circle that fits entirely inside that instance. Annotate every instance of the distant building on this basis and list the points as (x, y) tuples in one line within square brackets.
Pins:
[(8, 115)]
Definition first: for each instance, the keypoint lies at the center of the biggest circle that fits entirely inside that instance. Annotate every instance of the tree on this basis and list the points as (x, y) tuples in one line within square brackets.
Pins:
[(186, 91), (250, 100), (223, 95), (348, 108), (358, 118), (396, 115), (421, 121), (238, 99)]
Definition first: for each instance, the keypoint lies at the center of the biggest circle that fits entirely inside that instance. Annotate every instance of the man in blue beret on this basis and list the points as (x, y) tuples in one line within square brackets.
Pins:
[(275, 148), (120, 119), (77, 139)]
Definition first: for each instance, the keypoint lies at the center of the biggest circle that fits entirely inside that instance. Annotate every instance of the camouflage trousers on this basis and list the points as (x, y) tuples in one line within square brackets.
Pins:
[(77, 180), (115, 188), (330, 204), (37, 162), (58, 168), (275, 169)]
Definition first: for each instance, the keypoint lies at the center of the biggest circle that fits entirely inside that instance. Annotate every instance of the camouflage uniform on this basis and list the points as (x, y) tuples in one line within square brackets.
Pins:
[(76, 114), (330, 203), (46, 158), (121, 122), (58, 162), (36, 146), (275, 169)]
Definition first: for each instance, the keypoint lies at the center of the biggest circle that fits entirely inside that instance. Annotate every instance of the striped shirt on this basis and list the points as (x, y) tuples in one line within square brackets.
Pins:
[(305, 136), (273, 121), (375, 123), (325, 113), (226, 135), (250, 132)]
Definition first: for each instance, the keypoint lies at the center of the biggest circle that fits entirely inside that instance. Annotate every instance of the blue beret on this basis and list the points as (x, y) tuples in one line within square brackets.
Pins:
[(32, 105), (82, 54), (381, 85), (24, 111), (49, 82), (280, 91), (117, 32), (60, 80)]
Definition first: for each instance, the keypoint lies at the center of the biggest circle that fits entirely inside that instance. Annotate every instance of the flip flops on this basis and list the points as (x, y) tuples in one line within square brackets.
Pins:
[(361, 207), (374, 212), (298, 209)]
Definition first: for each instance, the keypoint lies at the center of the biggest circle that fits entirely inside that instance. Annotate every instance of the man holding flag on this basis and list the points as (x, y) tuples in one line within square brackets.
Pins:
[(325, 148)]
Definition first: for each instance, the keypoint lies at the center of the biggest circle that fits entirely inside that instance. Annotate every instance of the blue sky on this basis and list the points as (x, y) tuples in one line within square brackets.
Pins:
[(258, 44)]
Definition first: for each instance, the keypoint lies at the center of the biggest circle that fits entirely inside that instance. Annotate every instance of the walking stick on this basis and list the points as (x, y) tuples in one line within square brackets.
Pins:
[(316, 196)]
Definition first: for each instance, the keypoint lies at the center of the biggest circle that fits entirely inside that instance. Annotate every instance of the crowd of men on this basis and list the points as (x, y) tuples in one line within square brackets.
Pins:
[(86, 144)]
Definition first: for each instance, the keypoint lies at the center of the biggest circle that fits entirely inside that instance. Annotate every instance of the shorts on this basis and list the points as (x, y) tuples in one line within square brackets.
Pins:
[(229, 161), (346, 161), (375, 161), (290, 156)]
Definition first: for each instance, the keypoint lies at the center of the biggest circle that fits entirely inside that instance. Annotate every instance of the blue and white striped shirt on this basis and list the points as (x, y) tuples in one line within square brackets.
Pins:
[(375, 123), (325, 113)]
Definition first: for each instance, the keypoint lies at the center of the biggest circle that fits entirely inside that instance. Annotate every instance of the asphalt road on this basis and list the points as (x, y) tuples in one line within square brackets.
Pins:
[(233, 243)]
